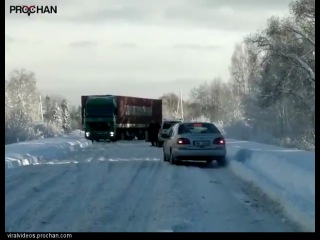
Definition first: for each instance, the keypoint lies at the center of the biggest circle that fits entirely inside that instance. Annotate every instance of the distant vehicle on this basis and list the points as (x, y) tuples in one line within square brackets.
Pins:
[(165, 128), (195, 141), (109, 117)]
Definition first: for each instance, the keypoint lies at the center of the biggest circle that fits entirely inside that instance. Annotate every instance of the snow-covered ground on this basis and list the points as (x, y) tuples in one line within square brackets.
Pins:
[(125, 186), (285, 175)]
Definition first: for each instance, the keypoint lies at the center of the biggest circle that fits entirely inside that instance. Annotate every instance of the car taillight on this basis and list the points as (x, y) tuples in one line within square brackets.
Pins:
[(183, 141), (219, 141)]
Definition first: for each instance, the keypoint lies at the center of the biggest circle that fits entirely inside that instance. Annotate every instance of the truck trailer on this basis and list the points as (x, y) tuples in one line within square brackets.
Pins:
[(111, 117)]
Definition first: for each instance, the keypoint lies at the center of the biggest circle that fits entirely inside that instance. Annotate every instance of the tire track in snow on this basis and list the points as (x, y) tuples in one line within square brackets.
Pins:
[(48, 189), (260, 205), (76, 189), (95, 182), (159, 194), (103, 204), (180, 214), (24, 211), (133, 196), (90, 182), (32, 186), (210, 201), (145, 199), (29, 173), (224, 195)]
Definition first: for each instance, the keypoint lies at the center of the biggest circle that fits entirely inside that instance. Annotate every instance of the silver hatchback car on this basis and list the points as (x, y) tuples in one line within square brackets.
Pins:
[(195, 141)]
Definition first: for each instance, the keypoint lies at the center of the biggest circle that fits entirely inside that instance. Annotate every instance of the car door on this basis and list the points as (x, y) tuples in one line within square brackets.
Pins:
[(172, 137), (168, 141)]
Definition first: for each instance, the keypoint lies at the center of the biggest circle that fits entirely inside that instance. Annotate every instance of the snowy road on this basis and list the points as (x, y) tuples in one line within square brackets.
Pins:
[(126, 186)]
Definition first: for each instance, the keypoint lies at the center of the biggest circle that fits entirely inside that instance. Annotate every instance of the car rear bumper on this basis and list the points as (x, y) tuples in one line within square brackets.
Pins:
[(201, 154)]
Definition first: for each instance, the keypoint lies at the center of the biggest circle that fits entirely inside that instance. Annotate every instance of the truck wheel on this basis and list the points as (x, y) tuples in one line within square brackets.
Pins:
[(141, 137), (130, 138)]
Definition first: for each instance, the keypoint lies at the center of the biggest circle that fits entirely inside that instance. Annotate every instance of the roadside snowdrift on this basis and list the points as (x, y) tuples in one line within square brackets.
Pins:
[(31, 152), (286, 175)]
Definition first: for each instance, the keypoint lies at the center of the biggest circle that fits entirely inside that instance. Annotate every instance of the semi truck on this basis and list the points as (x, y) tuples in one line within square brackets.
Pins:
[(112, 117)]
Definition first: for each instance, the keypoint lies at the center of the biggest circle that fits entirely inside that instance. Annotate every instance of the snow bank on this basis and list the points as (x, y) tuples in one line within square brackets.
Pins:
[(286, 175), (33, 152)]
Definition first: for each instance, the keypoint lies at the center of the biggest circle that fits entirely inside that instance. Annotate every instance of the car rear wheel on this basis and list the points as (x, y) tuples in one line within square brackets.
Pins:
[(164, 156), (222, 161), (171, 159)]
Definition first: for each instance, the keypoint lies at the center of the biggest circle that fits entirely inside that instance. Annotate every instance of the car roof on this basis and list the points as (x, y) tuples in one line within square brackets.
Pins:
[(198, 123), (169, 120), (173, 120)]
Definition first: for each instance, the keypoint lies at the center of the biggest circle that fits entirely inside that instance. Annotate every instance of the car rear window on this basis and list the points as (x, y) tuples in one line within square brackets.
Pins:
[(201, 128), (167, 125)]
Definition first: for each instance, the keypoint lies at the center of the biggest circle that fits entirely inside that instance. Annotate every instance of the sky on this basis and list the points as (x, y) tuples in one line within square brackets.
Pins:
[(141, 48)]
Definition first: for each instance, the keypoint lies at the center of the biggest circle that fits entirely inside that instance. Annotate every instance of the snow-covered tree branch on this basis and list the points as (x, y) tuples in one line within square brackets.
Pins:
[(30, 116), (270, 96)]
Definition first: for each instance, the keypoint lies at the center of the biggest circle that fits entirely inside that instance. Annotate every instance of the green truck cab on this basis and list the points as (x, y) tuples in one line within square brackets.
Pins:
[(100, 118)]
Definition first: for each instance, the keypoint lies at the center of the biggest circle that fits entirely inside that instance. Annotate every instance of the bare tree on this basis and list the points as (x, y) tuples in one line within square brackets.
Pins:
[(170, 104)]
